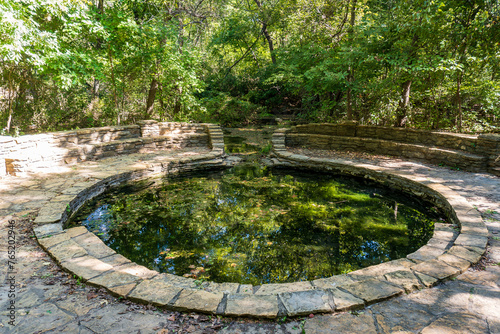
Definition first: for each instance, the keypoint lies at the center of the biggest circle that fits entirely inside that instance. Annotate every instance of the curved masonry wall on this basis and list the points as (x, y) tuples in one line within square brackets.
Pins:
[(43, 152), (467, 152), (445, 256)]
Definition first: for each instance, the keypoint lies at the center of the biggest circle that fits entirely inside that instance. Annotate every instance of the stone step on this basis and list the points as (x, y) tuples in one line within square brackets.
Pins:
[(495, 171)]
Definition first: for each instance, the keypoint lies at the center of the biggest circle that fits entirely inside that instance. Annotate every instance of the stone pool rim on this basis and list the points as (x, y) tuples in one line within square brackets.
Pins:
[(83, 254), (137, 245)]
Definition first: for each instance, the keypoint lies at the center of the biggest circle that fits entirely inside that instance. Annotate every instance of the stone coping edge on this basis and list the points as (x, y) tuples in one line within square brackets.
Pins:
[(446, 255)]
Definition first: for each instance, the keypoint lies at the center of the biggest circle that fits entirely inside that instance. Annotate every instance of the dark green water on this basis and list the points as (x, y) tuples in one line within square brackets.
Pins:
[(238, 145), (254, 225)]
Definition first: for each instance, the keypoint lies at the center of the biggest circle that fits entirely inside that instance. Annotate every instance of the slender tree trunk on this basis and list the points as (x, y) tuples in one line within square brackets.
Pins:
[(9, 120), (177, 105), (95, 89), (100, 7), (459, 101), (266, 35), (350, 77), (460, 75), (151, 97), (181, 34), (269, 42), (395, 211), (11, 99), (242, 57), (115, 96), (113, 79), (162, 104), (94, 99), (403, 104), (401, 113), (349, 102), (96, 84)]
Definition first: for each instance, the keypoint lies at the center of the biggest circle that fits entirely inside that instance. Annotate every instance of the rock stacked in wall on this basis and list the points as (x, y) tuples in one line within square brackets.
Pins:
[(44, 152), (468, 152)]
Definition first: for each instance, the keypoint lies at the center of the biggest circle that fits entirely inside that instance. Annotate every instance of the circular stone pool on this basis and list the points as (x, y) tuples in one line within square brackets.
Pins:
[(254, 225)]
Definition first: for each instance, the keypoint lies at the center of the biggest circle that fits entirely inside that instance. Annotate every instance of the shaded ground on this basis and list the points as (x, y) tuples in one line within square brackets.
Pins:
[(50, 301), (257, 136)]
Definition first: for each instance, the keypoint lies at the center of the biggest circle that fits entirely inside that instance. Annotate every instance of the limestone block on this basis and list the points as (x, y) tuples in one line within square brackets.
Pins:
[(93, 245), (222, 287), (405, 279), (380, 269), (455, 261), (306, 302), (47, 230), (49, 241), (156, 292), (332, 282), (344, 301), (67, 250), (252, 305), (425, 253), (467, 254), (246, 289), (198, 300), (113, 278), (471, 240), (268, 289), (437, 269), (372, 290), (86, 267)]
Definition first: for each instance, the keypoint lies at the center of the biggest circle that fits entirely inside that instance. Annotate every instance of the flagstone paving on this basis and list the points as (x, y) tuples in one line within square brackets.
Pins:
[(47, 300)]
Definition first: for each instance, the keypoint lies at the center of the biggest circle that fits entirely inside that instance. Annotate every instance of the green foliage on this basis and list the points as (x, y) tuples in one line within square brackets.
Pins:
[(231, 112), (67, 64), (267, 148)]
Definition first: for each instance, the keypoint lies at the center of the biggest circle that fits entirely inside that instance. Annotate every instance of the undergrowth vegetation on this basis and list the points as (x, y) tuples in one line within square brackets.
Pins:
[(421, 64)]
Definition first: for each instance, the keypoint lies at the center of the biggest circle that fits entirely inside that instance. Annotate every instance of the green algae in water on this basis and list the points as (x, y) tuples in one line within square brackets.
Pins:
[(238, 145), (254, 226)]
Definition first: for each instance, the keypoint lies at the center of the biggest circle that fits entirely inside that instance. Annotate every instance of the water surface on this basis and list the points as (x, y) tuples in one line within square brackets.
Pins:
[(254, 225)]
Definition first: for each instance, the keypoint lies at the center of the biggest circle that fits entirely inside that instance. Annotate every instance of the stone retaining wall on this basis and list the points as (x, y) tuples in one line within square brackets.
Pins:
[(469, 152), (43, 152)]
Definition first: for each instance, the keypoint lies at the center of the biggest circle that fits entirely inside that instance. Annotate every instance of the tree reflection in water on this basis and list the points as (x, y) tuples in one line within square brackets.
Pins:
[(254, 225)]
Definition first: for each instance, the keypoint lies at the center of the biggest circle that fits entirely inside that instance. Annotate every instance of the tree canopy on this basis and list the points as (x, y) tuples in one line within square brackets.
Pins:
[(431, 64)]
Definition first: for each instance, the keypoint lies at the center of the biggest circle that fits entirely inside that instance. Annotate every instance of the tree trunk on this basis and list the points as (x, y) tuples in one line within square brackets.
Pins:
[(395, 211), (95, 89), (177, 106), (162, 104), (403, 104), (94, 99), (115, 96), (100, 7), (350, 77), (269, 41), (11, 98), (459, 101), (349, 102), (181, 34), (401, 113), (267, 36), (151, 97)]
